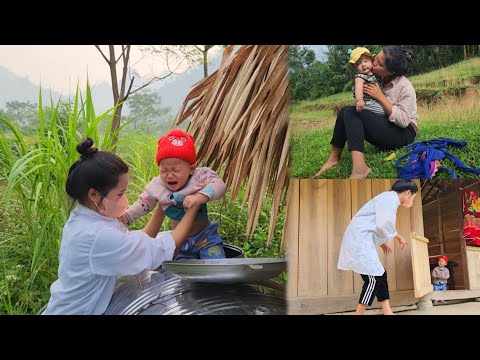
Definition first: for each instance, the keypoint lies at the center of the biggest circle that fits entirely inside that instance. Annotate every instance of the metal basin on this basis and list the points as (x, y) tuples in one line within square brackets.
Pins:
[(161, 292), (227, 270)]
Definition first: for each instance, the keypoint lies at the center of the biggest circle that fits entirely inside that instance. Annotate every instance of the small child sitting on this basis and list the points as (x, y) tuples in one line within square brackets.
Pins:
[(440, 276), (180, 186), (362, 61)]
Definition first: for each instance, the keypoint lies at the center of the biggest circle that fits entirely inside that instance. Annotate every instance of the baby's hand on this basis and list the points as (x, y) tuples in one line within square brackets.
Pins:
[(360, 104), (192, 200)]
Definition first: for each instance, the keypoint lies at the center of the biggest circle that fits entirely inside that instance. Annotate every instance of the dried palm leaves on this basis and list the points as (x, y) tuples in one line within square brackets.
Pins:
[(239, 118)]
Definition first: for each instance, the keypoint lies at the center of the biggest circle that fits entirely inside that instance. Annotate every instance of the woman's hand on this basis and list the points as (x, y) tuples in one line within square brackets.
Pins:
[(401, 241), (373, 90), (386, 249)]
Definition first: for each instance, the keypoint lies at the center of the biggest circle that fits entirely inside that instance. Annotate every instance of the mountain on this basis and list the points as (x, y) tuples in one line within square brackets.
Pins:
[(13, 87), (173, 89)]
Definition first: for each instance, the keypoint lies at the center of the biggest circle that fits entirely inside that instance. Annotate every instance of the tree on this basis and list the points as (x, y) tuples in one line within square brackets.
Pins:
[(192, 54), (145, 107), (119, 86), (204, 50), (301, 62), (22, 113)]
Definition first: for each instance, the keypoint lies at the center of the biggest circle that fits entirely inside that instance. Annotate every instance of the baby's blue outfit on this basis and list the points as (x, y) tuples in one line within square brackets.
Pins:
[(205, 245)]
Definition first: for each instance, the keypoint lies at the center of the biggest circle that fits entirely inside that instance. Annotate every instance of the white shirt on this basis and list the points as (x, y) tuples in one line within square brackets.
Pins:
[(372, 225), (94, 251)]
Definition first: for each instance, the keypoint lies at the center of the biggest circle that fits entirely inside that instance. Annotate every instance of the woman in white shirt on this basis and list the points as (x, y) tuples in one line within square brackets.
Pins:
[(96, 248), (373, 225)]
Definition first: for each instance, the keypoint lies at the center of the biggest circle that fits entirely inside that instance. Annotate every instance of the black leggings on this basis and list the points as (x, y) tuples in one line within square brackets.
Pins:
[(356, 127)]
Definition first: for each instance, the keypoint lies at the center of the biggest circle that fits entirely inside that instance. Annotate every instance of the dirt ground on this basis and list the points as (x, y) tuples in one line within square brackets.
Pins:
[(470, 307), (452, 307)]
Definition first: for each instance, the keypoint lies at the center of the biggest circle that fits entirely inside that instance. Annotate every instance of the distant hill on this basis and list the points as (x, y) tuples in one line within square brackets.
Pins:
[(13, 87), (173, 89)]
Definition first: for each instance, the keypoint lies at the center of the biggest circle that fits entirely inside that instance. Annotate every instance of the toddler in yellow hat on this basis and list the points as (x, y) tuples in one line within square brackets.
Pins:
[(362, 61)]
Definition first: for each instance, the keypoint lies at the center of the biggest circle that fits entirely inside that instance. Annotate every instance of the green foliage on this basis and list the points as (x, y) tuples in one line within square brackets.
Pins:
[(35, 169), (432, 57), (301, 63), (311, 79), (22, 114), (145, 108)]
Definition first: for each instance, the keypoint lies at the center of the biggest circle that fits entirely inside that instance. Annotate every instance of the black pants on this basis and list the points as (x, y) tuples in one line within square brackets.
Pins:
[(374, 286), (356, 127)]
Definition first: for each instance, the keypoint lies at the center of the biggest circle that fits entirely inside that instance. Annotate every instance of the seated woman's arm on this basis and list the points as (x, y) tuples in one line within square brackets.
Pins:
[(405, 108)]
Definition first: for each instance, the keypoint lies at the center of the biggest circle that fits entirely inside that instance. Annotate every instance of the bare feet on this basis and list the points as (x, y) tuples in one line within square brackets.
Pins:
[(333, 159), (328, 165), (389, 313), (360, 173)]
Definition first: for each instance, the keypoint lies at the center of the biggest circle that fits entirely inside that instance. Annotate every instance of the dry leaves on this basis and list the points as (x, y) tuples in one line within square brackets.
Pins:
[(239, 117)]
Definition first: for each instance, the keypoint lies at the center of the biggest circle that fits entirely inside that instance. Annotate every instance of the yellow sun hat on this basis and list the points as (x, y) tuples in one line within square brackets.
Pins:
[(356, 53)]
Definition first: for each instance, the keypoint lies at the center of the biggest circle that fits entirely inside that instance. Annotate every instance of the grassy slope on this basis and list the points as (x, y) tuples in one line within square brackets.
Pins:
[(444, 110)]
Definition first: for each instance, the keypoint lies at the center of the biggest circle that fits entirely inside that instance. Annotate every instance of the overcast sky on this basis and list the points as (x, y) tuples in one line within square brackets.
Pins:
[(60, 67)]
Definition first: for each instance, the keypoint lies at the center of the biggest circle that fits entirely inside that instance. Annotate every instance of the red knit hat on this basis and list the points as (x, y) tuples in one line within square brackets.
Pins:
[(177, 144), (444, 257)]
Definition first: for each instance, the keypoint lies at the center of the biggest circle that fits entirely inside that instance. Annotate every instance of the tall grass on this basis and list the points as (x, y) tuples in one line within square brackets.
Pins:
[(35, 170), (34, 206), (463, 72)]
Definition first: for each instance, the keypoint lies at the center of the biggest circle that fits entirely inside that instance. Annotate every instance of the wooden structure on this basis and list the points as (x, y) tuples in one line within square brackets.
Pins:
[(318, 212), (443, 218)]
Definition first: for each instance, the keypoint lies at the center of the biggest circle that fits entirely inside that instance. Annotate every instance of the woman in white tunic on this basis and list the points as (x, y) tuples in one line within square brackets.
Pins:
[(96, 248), (373, 225)]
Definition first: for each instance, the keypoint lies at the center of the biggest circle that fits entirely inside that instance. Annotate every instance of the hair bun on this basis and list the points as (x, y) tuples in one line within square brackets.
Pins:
[(85, 148)]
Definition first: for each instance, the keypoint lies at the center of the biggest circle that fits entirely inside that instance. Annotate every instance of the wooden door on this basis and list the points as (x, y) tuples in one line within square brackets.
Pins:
[(422, 282)]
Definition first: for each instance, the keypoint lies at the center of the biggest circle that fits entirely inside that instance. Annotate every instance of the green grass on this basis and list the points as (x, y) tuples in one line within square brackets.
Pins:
[(448, 106), (310, 150), (464, 72), (311, 116), (324, 103)]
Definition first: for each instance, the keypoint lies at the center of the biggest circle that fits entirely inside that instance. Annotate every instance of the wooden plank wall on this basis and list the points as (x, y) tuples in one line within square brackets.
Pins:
[(433, 228), (321, 214)]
